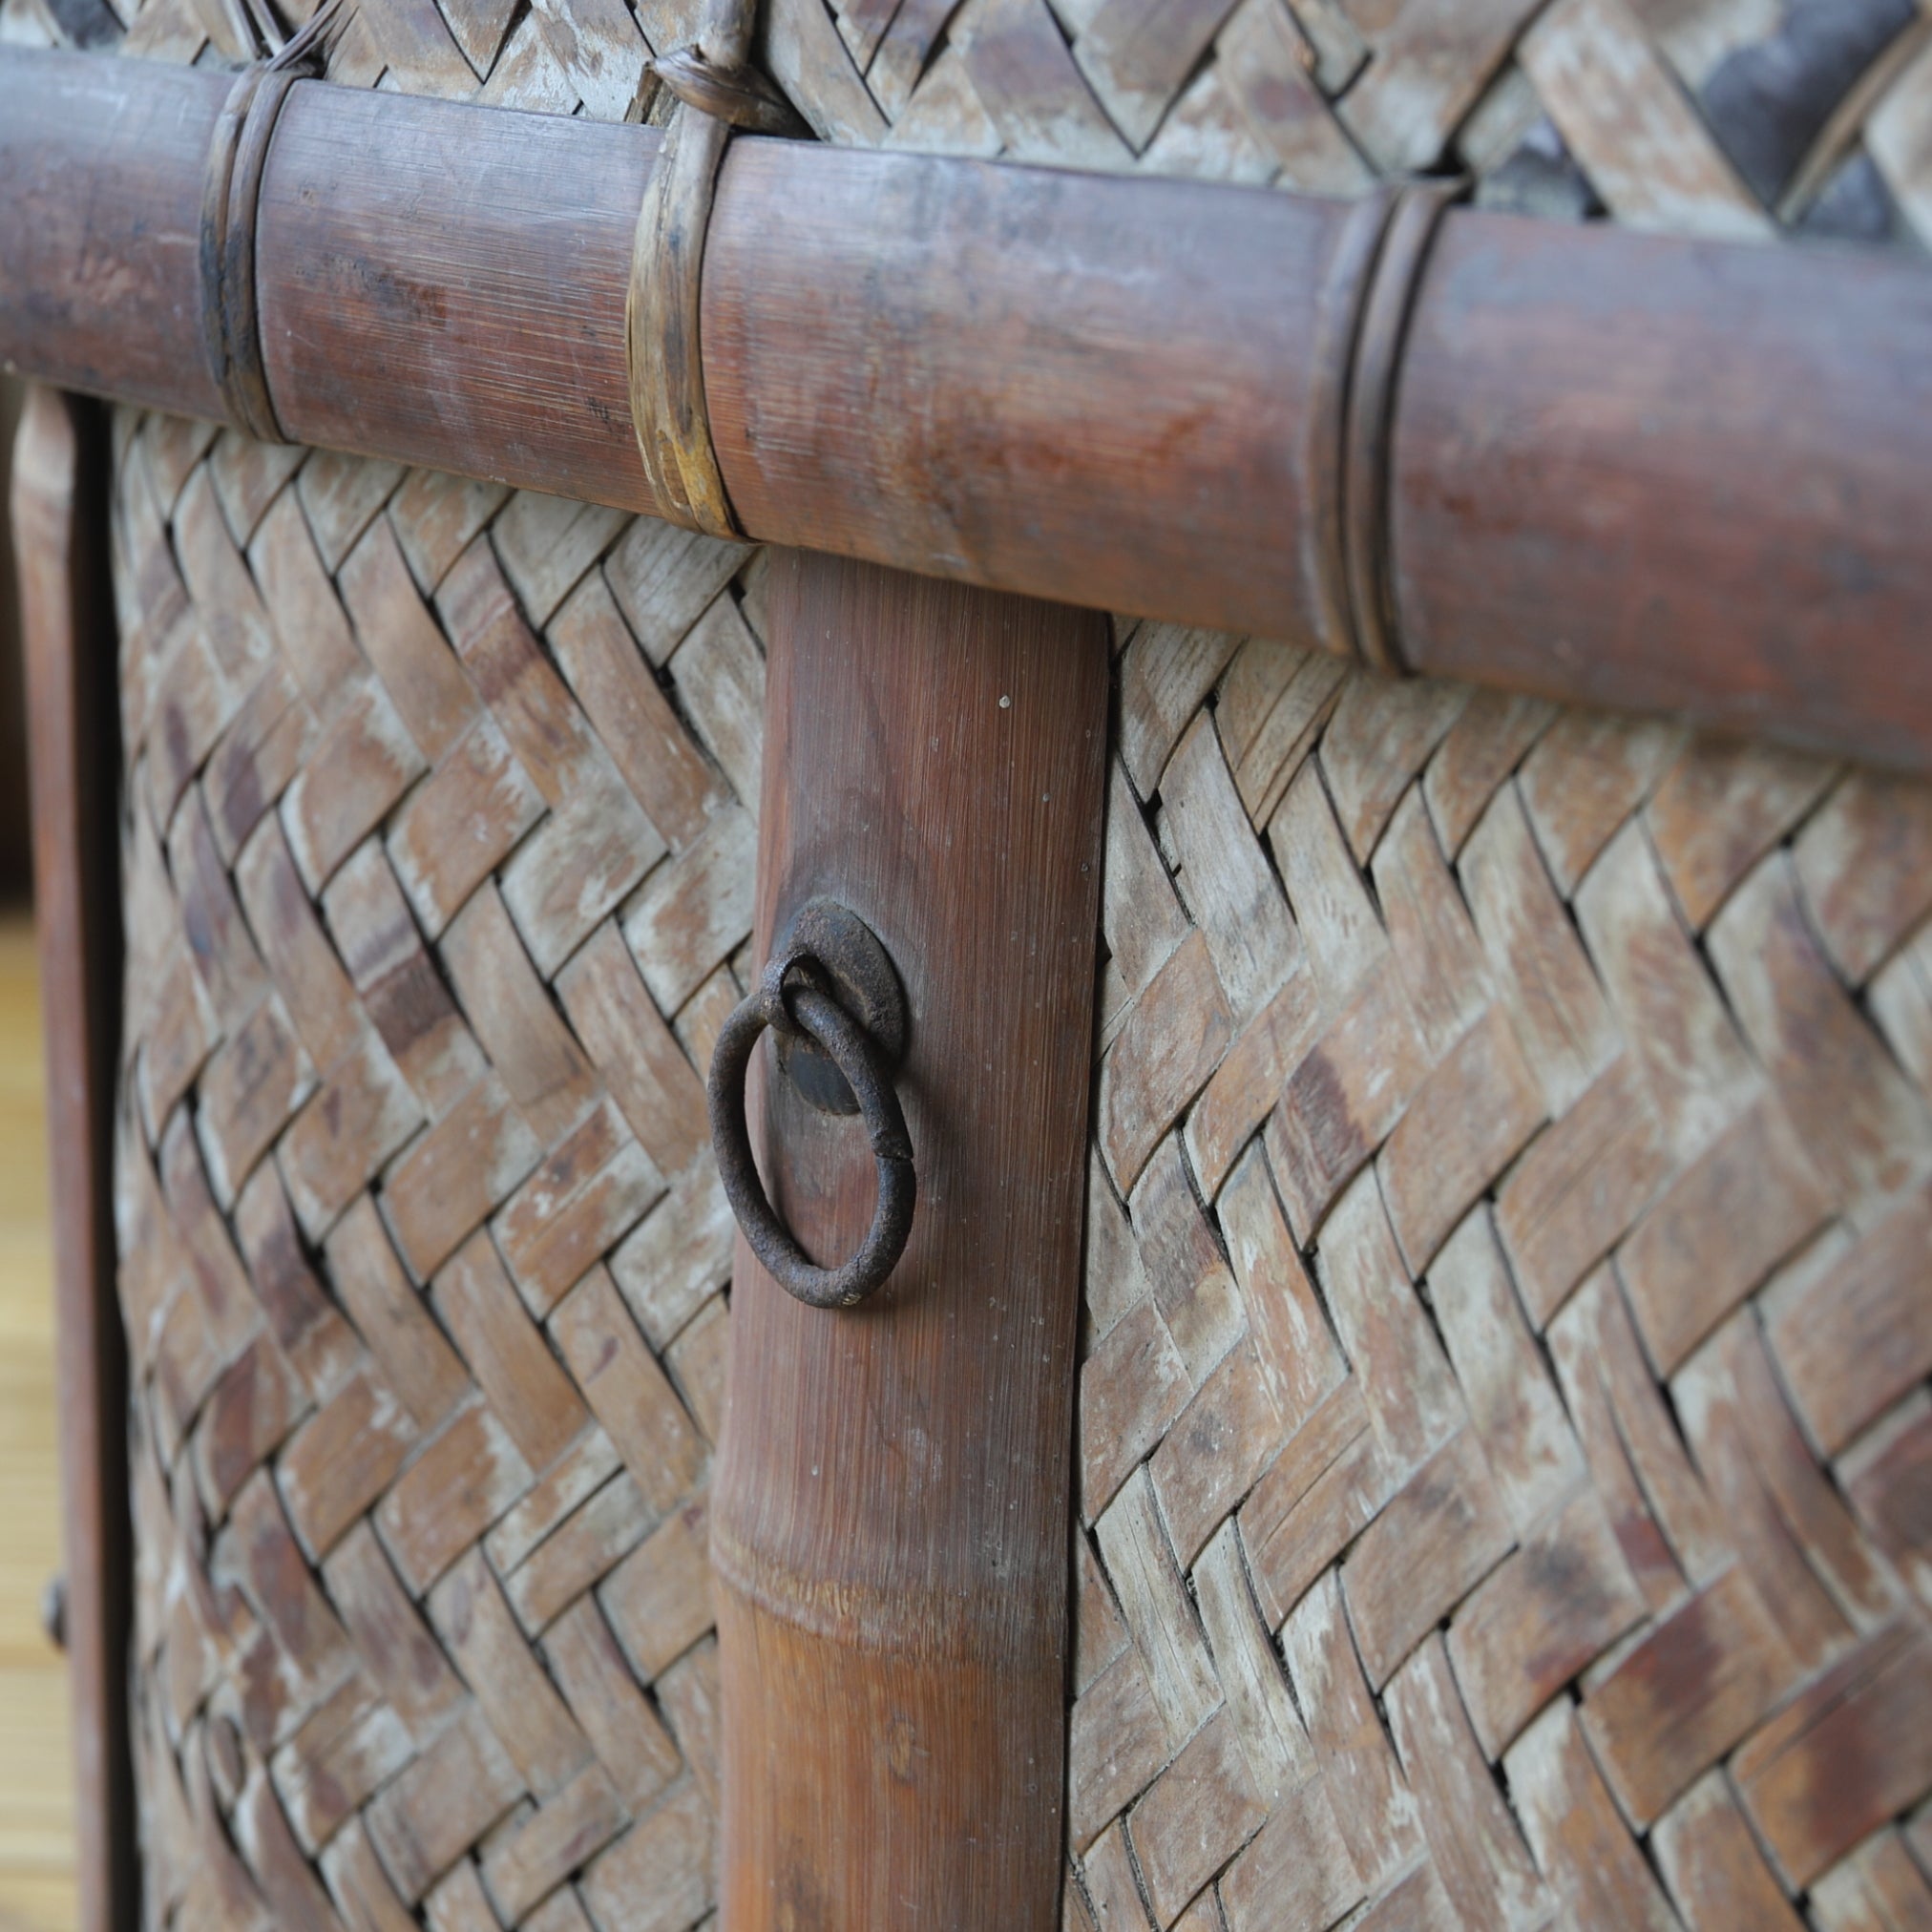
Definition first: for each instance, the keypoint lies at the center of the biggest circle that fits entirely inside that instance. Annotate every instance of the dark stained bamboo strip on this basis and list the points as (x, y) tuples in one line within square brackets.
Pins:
[(60, 510), (1651, 473), (890, 1527)]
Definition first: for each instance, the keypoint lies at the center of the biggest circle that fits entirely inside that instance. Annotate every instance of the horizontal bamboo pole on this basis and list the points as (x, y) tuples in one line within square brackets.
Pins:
[(1628, 469)]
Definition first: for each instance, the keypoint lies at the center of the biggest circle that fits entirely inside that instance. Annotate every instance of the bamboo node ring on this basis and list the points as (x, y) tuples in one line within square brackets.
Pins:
[(1412, 217), (1363, 323), (793, 998)]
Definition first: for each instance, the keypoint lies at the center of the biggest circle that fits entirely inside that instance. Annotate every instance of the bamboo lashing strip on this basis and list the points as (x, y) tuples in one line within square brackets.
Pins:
[(662, 327), (1363, 482), (231, 322), (1364, 311), (715, 92)]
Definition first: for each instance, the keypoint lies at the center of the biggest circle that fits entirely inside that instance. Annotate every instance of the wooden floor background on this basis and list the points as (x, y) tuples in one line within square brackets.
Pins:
[(37, 1840)]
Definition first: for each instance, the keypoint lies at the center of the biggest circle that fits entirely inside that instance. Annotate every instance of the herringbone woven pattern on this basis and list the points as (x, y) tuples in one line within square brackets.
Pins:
[(1505, 1456), (1519, 1315), (430, 921)]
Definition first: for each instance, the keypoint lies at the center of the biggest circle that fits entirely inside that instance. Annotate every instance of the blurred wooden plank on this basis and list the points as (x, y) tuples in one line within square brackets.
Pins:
[(14, 850), (37, 1879)]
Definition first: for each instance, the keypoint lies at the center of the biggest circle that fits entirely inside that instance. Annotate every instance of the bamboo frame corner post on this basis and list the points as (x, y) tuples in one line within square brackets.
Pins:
[(60, 524), (890, 1536)]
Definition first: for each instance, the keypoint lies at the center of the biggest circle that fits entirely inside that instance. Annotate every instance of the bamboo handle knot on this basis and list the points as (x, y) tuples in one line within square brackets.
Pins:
[(717, 91), (742, 97), (231, 193)]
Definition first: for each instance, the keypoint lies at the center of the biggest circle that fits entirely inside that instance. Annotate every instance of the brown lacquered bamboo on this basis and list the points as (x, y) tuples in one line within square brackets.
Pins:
[(1676, 477), (1639, 472), (890, 1531), (1063, 408), (59, 514), (100, 225), (478, 268)]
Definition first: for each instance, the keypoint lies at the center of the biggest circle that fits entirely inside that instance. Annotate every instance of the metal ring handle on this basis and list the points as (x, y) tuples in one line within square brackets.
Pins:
[(805, 1007)]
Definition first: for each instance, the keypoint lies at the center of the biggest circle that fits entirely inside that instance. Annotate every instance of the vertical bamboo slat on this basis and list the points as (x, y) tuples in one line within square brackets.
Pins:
[(890, 1537)]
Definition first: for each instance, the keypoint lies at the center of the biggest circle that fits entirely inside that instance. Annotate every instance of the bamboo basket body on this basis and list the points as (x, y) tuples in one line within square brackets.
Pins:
[(1503, 1432)]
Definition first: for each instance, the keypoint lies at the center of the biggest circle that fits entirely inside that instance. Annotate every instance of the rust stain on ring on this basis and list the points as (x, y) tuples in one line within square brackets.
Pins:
[(794, 1001)]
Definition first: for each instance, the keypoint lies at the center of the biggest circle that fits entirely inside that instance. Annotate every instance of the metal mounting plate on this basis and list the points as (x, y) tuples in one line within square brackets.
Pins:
[(859, 975)]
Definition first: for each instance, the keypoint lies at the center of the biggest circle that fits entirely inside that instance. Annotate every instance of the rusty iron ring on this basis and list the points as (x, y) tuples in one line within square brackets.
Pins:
[(803, 1007)]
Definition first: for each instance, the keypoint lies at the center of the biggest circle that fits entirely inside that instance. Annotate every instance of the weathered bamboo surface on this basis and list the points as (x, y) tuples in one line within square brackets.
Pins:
[(1128, 395), (434, 879), (1522, 1526), (58, 515), (1503, 1421), (1503, 1295)]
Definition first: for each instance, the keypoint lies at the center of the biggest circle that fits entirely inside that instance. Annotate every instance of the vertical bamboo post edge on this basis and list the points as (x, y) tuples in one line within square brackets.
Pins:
[(60, 522)]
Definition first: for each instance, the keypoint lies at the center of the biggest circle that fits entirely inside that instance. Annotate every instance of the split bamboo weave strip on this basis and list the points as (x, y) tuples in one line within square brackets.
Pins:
[(1503, 1421)]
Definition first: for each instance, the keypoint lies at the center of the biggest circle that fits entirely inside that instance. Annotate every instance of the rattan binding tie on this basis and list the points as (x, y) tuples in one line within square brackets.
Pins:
[(231, 325), (716, 92), (1370, 293)]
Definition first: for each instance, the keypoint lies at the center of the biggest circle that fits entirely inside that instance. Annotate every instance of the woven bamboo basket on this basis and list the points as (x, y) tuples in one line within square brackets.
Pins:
[(1503, 1471)]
